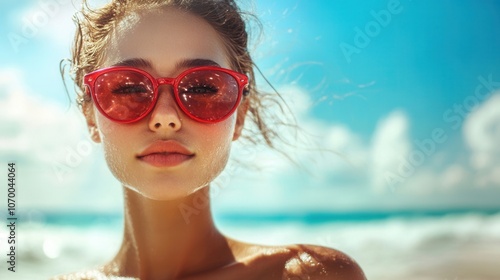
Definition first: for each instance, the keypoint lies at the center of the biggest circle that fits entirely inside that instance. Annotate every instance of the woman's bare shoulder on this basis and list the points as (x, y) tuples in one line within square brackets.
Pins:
[(317, 263), (269, 263), (309, 262)]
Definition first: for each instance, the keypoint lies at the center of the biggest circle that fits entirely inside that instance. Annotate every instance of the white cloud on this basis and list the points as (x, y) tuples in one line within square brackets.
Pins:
[(51, 150), (350, 148), (341, 168), (481, 131), (26, 118), (327, 148), (324, 153), (454, 176), (390, 146), (354, 173)]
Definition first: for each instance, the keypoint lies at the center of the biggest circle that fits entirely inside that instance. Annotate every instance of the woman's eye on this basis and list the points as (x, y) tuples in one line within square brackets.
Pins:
[(202, 89), (130, 89)]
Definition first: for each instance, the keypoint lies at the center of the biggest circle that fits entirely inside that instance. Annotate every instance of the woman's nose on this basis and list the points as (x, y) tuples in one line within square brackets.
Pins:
[(166, 114)]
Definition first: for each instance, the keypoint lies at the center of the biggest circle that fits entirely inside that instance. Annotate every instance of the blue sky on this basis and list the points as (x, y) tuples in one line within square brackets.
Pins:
[(399, 89), (427, 57)]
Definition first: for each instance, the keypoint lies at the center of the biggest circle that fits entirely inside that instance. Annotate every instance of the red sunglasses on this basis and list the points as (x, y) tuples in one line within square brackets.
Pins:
[(206, 94)]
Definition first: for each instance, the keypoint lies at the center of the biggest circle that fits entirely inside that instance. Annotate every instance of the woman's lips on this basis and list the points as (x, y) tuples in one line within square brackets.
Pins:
[(165, 159), (165, 154)]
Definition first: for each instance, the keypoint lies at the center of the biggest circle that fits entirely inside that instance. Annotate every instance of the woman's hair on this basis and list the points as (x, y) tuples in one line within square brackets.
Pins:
[(95, 28)]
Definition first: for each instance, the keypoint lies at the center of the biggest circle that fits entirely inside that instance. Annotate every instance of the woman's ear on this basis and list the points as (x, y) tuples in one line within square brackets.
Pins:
[(240, 118), (88, 112)]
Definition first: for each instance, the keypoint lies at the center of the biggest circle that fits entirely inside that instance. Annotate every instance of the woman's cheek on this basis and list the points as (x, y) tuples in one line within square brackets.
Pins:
[(218, 146), (115, 142)]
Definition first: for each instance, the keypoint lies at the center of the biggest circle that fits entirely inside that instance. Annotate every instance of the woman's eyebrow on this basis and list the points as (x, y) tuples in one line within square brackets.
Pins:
[(183, 64), (188, 63), (135, 62)]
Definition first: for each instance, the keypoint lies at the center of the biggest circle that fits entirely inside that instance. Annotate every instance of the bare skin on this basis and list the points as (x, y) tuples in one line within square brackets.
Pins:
[(197, 251), (160, 241)]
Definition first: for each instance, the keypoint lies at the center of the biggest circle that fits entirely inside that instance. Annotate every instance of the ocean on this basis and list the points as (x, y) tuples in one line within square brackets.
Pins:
[(461, 245)]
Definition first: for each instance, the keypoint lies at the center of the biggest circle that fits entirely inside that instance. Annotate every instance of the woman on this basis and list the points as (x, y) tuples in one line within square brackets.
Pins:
[(166, 87)]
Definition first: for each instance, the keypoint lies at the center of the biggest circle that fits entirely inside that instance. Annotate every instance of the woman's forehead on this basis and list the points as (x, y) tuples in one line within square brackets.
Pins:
[(164, 37)]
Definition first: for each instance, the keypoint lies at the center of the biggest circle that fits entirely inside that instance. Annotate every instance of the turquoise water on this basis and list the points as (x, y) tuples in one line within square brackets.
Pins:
[(83, 219)]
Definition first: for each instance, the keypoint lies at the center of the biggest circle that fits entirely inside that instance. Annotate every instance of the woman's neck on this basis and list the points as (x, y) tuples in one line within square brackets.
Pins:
[(169, 239)]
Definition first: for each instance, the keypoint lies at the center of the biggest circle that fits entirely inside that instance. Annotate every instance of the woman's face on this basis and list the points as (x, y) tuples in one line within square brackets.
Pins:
[(165, 42)]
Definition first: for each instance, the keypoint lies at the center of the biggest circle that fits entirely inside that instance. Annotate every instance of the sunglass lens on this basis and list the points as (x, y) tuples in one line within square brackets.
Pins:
[(209, 95), (124, 95)]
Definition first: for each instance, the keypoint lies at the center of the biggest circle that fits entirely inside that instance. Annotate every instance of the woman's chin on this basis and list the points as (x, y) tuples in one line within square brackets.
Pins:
[(167, 192)]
